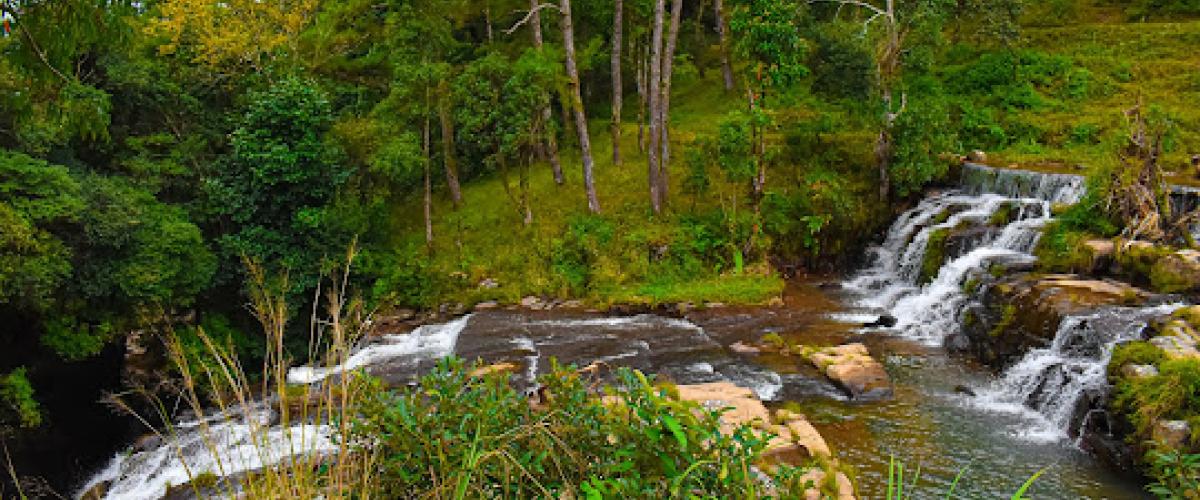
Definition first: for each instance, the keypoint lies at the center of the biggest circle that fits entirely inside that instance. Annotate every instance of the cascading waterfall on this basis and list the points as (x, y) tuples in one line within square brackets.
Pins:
[(931, 311), (1050, 385)]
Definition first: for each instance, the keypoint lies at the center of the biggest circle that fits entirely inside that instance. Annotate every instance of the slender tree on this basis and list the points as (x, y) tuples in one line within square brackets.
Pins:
[(551, 147), (723, 40), (585, 145), (652, 90), (616, 81), (664, 160), (448, 160)]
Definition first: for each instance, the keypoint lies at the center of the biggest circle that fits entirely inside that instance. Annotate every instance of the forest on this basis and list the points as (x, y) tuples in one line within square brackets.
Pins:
[(194, 189)]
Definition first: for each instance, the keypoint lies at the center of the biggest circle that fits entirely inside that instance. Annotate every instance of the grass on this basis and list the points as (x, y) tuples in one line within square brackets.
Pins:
[(1153, 61), (487, 239)]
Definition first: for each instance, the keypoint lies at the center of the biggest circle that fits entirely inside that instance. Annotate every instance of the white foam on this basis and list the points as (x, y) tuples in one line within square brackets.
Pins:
[(427, 341)]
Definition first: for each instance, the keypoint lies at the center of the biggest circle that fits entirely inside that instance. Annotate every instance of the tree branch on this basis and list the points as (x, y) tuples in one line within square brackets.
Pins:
[(878, 11), (528, 16)]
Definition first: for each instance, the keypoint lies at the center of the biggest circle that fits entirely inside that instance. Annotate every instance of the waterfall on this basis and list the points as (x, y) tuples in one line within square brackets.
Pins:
[(931, 311), (240, 440), (1050, 386)]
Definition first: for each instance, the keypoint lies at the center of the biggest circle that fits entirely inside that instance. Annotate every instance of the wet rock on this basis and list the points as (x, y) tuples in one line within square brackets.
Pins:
[(484, 371), (853, 369), (798, 431), (96, 492), (487, 305), (818, 477), (1101, 253), (1132, 371), (964, 390), (1177, 346), (884, 321), (1177, 272), (1022, 312), (1172, 434), (743, 348)]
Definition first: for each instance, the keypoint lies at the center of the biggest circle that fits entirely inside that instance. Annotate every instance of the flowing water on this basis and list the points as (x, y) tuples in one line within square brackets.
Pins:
[(1021, 421)]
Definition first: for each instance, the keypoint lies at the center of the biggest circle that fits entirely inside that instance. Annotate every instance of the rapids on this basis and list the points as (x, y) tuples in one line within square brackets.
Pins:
[(1021, 421)]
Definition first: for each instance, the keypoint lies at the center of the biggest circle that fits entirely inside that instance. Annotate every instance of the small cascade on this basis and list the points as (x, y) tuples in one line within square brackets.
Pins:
[(226, 444), (425, 343), (930, 311), (1052, 386)]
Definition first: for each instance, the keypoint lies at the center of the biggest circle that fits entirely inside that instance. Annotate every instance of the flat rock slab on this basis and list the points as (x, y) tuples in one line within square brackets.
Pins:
[(852, 368)]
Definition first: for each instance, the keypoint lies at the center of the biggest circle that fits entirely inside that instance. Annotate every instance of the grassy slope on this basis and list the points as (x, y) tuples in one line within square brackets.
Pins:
[(488, 240), (1156, 61)]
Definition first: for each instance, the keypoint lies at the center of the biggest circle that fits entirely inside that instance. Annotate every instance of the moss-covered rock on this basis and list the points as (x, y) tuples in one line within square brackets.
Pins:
[(935, 255), (1021, 312), (1178, 272)]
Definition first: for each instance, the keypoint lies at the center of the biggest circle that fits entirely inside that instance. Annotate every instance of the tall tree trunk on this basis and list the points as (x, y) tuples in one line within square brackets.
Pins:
[(428, 183), (585, 144), (723, 39), (616, 82), (654, 90), (551, 146), (487, 20), (640, 80), (664, 160), (448, 144)]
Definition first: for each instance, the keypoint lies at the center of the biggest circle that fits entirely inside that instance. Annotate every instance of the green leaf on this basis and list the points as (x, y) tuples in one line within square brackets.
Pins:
[(676, 429)]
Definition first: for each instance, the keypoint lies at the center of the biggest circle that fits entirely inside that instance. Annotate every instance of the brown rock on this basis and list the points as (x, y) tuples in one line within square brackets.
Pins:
[(1173, 434), (743, 348), (488, 305), (484, 371), (845, 490), (852, 368)]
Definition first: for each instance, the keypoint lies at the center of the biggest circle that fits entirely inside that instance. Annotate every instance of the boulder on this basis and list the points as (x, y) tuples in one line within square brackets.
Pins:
[(1176, 272), (1023, 311), (818, 477), (884, 321), (1132, 371), (852, 368), (1172, 434), (484, 371), (1177, 346), (487, 305), (1101, 253), (743, 348), (977, 156), (530, 301)]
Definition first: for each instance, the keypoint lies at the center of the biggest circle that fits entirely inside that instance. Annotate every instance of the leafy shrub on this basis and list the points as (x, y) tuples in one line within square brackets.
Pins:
[(1176, 474), (17, 395), (458, 435), (574, 254), (1173, 394), (406, 278), (1137, 352)]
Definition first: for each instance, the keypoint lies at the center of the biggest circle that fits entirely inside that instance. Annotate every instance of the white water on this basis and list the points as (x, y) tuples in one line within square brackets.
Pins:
[(930, 312), (1048, 385), (427, 342), (222, 445)]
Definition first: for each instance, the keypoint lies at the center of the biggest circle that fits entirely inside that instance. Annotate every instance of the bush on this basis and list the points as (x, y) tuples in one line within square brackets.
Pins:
[(17, 395), (480, 437), (574, 254)]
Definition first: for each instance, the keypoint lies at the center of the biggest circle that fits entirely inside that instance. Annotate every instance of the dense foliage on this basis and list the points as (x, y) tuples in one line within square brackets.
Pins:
[(456, 434)]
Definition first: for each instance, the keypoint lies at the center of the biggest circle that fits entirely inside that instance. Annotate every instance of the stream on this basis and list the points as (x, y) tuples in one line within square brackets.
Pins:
[(1020, 420)]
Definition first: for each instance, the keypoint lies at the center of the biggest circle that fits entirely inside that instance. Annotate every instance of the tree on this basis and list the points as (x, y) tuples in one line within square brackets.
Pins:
[(655, 95), (664, 160), (897, 24), (36, 200), (585, 144), (551, 143), (618, 8), (769, 40), (276, 187), (722, 38), (237, 35)]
